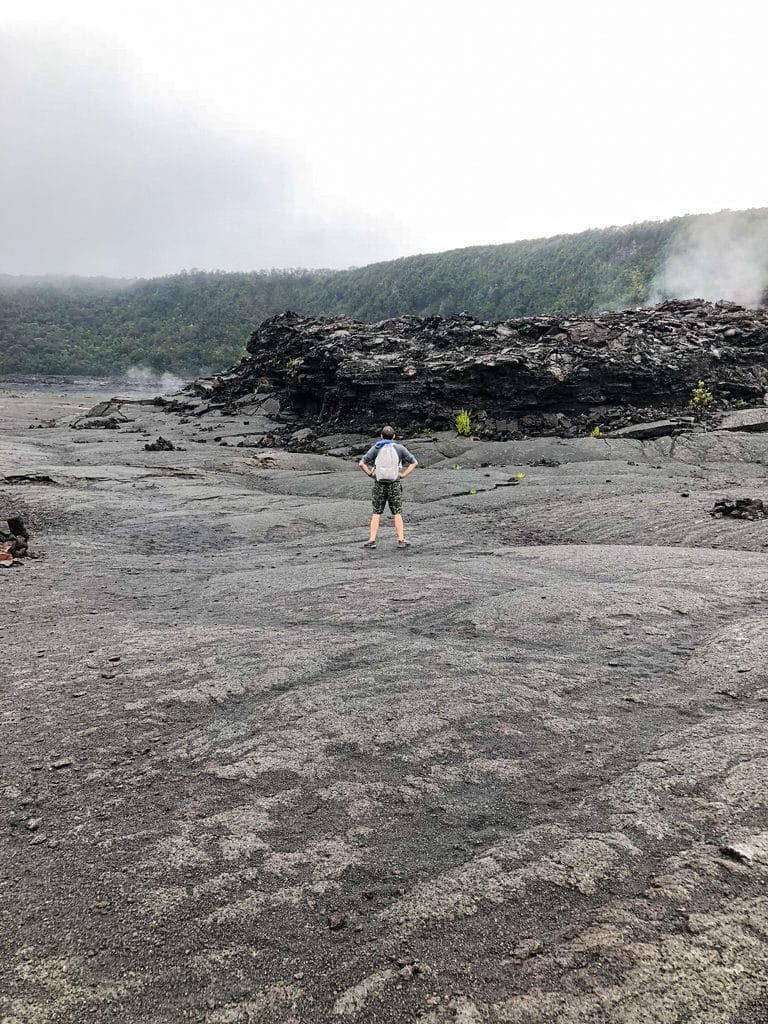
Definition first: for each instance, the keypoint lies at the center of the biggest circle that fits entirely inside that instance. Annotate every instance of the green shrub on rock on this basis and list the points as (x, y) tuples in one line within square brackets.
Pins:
[(463, 423), (700, 400)]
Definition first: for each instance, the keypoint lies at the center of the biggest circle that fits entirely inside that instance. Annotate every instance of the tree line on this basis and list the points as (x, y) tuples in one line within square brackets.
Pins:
[(198, 322)]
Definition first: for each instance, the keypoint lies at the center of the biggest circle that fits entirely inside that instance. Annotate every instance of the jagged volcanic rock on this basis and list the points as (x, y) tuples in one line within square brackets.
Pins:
[(740, 508), (543, 375)]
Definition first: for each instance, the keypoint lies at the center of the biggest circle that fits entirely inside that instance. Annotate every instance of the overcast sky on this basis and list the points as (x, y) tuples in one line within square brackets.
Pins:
[(142, 138)]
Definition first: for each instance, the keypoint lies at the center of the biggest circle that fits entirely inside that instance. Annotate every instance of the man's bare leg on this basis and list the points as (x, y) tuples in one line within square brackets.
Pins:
[(374, 528), (399, 527)]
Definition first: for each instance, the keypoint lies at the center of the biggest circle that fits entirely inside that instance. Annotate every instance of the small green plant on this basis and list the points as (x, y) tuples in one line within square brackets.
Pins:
[(741, 404), (520, 476), (294, 364), (463, 423), (700, 400), (472, 492), (457, 466), (596, 432)]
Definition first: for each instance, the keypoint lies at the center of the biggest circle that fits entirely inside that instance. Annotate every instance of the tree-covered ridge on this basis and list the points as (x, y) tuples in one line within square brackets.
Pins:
[(199, 321)]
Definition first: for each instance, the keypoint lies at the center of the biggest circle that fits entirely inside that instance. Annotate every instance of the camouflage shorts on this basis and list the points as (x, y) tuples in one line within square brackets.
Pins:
[(387, 491)]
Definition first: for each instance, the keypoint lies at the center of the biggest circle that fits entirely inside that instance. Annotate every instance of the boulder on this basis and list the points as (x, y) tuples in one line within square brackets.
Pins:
[(739, 508), (755, 420), (645, 431), (14, 542), (162, 444), (103, 416)]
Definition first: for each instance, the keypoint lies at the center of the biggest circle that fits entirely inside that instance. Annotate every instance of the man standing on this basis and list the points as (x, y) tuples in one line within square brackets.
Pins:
[(384, 463)]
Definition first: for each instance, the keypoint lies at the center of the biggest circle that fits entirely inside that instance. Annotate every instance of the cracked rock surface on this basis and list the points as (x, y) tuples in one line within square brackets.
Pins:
[(550, 375), (252, 773)]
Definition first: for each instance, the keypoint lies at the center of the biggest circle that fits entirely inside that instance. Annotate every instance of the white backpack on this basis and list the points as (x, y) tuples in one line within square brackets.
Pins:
[(387, 465)]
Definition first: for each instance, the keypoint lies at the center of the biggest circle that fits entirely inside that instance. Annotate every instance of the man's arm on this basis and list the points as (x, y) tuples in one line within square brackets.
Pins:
[(408, 460), (368, 461)]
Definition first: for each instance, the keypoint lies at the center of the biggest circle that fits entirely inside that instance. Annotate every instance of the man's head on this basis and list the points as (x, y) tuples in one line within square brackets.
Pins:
[(388, 433)]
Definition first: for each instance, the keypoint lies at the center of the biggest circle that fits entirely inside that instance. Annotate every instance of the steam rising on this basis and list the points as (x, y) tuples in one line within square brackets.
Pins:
[(145, 379), (724, 256)]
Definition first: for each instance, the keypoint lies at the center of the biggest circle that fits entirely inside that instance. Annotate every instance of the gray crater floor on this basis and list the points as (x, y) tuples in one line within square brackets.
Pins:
[(253, 773)]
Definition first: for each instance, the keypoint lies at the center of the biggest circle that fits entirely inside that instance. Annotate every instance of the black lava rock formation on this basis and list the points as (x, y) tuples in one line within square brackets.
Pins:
[(536, 375)]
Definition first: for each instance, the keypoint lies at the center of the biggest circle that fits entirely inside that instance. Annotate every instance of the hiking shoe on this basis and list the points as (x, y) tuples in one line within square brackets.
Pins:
[(370, 544), (403, 543)]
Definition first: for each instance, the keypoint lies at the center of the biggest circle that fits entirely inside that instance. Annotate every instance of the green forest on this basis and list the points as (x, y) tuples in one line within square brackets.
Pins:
[(198, 322)]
